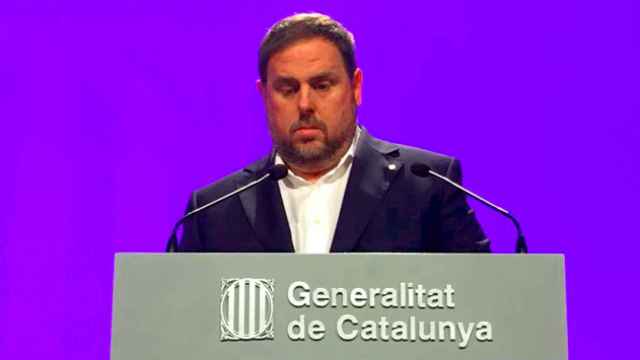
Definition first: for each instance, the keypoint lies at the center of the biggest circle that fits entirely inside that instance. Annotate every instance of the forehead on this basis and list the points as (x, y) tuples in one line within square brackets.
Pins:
[(305, 58)]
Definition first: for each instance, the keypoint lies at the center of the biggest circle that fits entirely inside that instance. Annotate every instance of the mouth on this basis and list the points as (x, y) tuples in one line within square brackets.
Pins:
[(307, 132), (307, 129)]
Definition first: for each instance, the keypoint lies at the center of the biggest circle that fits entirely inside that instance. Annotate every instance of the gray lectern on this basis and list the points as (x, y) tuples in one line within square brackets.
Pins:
[(348, 306)]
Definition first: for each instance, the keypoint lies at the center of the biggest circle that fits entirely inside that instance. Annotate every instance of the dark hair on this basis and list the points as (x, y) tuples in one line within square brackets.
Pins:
[(304, 26)]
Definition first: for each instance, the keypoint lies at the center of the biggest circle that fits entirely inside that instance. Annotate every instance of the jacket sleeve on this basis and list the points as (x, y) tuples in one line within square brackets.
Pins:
[(459, 228), (190, 240)]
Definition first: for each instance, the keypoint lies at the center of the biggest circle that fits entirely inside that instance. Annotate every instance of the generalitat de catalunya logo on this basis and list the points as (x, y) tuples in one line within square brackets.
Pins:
[(246, 309)]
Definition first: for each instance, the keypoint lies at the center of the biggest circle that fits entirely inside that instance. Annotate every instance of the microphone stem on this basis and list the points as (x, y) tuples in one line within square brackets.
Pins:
[(172, 244), (471, 193), (240, 189)]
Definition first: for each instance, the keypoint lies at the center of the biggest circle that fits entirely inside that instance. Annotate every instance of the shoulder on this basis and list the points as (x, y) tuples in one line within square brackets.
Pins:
[(409, 155), (439, 162), (230, 182)]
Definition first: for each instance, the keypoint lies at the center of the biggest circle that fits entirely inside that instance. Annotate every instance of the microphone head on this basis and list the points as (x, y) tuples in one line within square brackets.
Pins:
[(277, 172), (420, 169)]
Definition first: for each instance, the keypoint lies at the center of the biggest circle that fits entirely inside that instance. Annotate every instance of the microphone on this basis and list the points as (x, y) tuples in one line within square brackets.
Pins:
[(274, 173), (422, 170)]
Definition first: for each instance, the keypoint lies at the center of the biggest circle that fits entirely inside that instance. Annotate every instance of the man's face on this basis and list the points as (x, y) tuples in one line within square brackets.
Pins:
[(310, 102)]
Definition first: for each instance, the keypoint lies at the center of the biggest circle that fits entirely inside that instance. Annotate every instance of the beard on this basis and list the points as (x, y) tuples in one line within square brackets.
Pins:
[(313, 150)]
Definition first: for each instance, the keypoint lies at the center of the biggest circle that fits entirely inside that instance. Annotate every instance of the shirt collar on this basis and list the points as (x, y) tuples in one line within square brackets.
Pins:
[(340, 169)]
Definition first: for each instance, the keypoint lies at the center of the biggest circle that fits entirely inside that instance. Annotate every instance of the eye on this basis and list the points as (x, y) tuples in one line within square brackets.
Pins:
[(322, 85), (286, 90)]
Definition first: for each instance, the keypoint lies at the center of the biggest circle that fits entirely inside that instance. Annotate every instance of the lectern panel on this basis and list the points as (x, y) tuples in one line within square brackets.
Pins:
[(339, 306)]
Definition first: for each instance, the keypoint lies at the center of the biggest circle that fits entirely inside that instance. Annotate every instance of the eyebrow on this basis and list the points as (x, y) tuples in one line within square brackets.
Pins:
[(288, 80), (323, 76), (284, 80)]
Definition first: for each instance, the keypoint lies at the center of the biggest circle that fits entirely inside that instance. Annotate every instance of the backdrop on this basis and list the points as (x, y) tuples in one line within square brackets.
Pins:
[(113, 113)]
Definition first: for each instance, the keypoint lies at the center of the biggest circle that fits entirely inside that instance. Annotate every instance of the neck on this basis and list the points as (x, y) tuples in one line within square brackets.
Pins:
[(313, 172)]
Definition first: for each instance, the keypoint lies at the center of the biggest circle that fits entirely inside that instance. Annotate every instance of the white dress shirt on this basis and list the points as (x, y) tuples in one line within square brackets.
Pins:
[(313, 208)]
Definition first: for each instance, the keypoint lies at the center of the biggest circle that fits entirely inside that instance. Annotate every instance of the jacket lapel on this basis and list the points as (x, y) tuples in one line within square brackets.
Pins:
[(265, 211), (371, 174)]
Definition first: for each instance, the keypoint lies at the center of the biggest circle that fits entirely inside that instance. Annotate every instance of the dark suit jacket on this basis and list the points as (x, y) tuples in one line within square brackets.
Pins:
[(383, 210)]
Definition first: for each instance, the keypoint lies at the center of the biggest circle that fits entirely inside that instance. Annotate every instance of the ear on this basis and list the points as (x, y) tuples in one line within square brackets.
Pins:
[(262, 88), (357, 86)]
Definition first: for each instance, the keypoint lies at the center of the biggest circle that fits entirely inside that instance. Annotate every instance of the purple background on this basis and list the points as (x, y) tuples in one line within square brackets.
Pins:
[(112, 114)]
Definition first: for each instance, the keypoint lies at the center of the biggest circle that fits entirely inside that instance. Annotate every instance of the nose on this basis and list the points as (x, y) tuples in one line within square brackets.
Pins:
[(305, 101)]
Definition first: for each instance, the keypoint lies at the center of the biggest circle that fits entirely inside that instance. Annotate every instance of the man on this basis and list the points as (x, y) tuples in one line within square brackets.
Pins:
[(345, 190)]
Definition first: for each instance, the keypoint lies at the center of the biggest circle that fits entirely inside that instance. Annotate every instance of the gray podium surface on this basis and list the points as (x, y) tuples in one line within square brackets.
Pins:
[(354, 306)]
